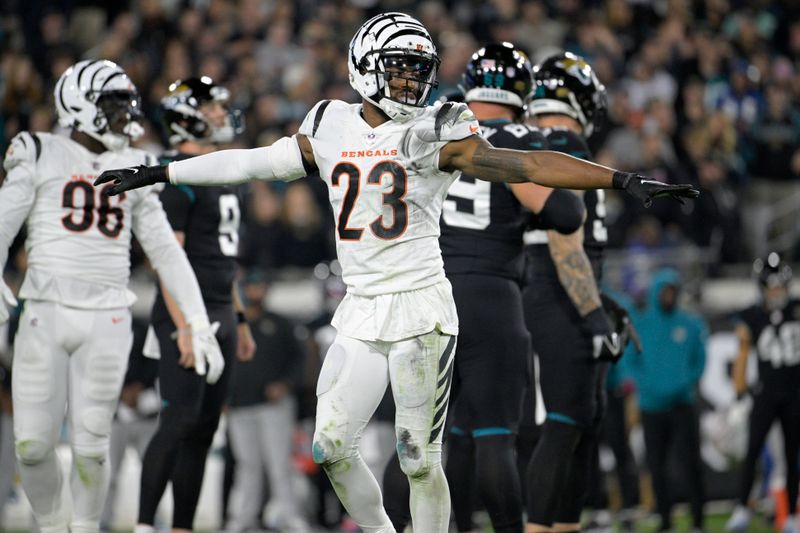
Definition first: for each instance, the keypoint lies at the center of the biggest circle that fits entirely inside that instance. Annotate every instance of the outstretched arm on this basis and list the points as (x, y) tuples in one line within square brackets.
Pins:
[(476, 157), (287, 159)]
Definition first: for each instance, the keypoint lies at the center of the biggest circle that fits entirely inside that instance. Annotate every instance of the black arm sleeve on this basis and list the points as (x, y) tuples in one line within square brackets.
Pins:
[(563, 211)]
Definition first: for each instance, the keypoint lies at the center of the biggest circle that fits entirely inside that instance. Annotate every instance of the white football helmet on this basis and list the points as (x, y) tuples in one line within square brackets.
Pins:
[(394, 52), (97, 98)]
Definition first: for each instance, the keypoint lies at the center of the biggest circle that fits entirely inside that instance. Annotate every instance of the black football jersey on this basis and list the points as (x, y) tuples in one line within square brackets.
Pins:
[(776, 337), (595, 233), (483, 222), (209, 217)]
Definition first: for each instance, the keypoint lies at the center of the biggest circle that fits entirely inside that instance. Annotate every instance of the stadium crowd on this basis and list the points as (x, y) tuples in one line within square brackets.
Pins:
[(701, 92), (704, 92)]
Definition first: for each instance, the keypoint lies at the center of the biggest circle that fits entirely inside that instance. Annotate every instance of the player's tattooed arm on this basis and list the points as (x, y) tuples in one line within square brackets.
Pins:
[(476, 157), (574, 270)]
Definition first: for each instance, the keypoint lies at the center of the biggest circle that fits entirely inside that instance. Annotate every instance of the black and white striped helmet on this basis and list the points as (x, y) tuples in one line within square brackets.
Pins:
[(389, 50), (97, 98)]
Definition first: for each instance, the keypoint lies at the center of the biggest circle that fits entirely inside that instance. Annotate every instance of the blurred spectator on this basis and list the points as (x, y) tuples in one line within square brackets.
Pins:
[(262, 416), (667, 373), (260, 227), (649, 81), (673, 64), (536, 32), (742, 101), (715, 223), (775, 169), (301, 238)]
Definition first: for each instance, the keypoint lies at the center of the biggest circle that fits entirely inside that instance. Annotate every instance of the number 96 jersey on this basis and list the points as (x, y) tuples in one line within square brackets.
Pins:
[(78, 240), (386, 191)]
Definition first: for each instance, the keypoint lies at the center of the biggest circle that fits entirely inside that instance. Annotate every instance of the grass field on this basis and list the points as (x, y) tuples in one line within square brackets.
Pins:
[(715, 523)]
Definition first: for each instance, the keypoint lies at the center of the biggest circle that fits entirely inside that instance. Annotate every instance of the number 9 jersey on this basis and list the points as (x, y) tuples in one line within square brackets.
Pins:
[(78, 241), (386, 191)]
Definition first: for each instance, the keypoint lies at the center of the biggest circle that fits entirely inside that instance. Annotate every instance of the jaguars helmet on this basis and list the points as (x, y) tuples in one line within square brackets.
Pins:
[(772, 271), (566, 84), (97, 98), (184, 120), (393, 50), (500, 74)]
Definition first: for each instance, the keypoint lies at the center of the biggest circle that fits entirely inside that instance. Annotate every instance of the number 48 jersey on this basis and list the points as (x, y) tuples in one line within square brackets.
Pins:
[(78, 240), (387, 191), (776, 336), (483, 222)]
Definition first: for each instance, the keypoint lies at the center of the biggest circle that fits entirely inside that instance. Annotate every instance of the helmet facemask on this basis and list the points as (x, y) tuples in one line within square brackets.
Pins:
[(405, 78), (117, 119), (393, 65)]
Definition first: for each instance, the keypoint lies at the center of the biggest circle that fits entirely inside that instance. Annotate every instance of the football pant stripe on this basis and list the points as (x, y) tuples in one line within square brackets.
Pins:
[(440, 405)]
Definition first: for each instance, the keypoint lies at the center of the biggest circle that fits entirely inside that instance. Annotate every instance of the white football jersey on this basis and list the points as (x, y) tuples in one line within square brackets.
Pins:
[(78, 240), (387, 192)]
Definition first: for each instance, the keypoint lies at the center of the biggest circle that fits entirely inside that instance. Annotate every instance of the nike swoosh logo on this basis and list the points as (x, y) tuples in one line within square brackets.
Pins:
[(116, 320)]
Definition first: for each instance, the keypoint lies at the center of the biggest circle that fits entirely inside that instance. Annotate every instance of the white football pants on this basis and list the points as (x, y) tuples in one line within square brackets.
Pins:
[(67, 361), (352, 381)]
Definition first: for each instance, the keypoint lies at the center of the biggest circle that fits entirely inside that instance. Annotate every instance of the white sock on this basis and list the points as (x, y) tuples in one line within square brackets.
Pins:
[(89, 485), (43, 485), (143, 528), (430, 501), (360, 494)]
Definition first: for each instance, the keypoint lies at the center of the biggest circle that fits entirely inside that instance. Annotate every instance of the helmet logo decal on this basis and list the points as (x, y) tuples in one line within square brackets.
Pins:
[(578, 67)]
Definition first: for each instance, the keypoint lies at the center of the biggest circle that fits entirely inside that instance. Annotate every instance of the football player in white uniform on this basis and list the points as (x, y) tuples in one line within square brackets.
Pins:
[(74, 336), (388, 163)]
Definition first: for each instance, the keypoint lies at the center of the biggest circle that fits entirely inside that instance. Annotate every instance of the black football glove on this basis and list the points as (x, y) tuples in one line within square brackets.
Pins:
[(611, 329), (606, 344), (125, 179), (646, 190)]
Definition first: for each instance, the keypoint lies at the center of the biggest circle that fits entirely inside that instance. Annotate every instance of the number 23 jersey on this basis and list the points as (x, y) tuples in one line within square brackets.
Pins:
[(78, 240), (386, 191)]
